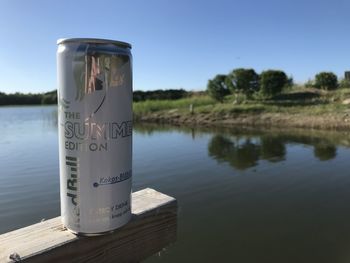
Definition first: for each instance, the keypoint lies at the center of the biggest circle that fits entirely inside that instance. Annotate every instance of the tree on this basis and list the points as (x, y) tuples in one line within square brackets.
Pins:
[(49, 97), (170, 94), (272, 82), (326, 80), (243, 81), (217, 88), (290, 82)]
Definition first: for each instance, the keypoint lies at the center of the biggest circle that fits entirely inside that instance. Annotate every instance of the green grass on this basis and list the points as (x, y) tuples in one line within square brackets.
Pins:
[(291, 102), (150, 106), (229, 108)]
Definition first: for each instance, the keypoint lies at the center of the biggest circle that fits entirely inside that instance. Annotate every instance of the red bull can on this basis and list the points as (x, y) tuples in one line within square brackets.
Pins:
[(95, 133)]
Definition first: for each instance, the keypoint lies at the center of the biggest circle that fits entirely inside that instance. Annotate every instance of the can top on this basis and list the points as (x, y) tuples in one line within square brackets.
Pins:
[(94, 41)]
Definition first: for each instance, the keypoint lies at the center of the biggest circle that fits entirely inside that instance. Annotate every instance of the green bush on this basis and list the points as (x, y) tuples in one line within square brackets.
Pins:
[(242, 80), (344, 84), (290, 83), (326, 80), (309, 84), (272, 82), (217, 88)]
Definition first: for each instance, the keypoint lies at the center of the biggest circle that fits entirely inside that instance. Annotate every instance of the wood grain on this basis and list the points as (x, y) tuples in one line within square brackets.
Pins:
[(152, 227)]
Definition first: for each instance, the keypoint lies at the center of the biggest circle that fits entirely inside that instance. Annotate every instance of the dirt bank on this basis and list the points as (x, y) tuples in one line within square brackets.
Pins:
[(326, 121)]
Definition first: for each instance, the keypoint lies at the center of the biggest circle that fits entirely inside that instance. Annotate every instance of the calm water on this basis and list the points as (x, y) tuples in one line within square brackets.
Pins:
[(244, 195)]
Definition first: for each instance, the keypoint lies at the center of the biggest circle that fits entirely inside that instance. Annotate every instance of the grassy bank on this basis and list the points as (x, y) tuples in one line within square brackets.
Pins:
[(298, 107)]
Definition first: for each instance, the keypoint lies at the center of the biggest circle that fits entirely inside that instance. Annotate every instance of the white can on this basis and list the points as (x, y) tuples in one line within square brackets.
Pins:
[(95, 134)]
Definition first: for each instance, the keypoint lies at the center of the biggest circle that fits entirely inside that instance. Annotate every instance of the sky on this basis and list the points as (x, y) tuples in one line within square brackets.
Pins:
[(177, 44)]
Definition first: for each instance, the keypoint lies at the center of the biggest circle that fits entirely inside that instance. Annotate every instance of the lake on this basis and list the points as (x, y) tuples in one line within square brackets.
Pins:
[(245, 195)]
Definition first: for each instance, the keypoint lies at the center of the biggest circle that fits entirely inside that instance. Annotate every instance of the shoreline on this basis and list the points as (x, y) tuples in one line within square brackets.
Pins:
[(326, 121), (330, 120)]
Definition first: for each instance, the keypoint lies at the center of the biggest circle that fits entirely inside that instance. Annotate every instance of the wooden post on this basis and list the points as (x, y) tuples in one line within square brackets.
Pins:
[(153, 226), (347, 75)]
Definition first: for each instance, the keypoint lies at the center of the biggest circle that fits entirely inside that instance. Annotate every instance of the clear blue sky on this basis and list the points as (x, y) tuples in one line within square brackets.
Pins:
[(177, 44)]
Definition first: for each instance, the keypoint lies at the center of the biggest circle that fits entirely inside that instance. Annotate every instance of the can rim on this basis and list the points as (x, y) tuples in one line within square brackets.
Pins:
[(94, 41)]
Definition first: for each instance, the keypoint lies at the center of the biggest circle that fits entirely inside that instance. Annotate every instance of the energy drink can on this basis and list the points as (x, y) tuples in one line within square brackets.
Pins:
[(95, 133)]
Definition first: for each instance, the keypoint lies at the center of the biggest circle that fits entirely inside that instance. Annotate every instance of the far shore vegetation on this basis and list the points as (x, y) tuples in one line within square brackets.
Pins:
[(244, 97), (239, 97), (28, 99), (244, 91)]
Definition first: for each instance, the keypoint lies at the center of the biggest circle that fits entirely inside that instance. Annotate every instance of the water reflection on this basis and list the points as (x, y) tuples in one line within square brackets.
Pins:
[(245, 153), (273, 148), (242, 148), (240, 154), (50, 117), (325, 152)]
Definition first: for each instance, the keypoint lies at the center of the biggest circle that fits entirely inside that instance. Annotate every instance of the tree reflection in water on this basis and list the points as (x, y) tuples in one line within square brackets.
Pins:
[(273, 148), (245, 153), (325, 152), (239, 155)]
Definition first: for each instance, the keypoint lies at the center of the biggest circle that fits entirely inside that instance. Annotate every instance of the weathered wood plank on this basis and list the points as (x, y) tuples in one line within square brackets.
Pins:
[(153, 226)]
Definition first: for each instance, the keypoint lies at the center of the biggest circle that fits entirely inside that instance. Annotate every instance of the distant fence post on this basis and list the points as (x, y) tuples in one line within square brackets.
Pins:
[(347, 75), (191, 108)]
